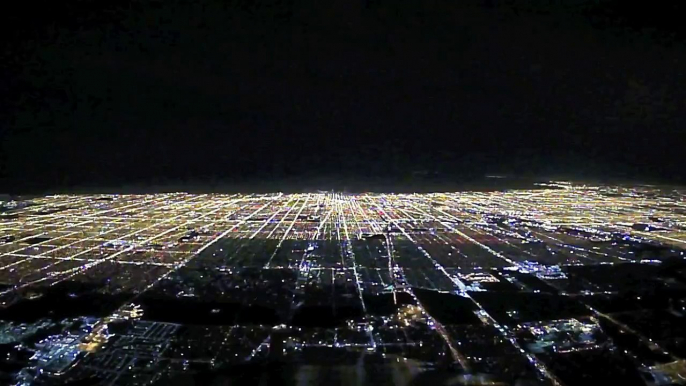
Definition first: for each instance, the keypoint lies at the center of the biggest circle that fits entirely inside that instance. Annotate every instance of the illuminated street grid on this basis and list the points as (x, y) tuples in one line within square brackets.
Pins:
[(69, 237), (365, 244)]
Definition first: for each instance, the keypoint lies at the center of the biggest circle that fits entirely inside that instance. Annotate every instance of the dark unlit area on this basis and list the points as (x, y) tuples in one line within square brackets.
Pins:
[(166, 92)]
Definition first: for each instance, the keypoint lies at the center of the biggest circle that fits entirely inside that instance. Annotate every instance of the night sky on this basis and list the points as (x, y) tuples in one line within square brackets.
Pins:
[(109, 94)]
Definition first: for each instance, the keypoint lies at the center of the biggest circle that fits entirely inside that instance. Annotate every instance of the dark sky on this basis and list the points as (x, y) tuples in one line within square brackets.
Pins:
[(98, 93)]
